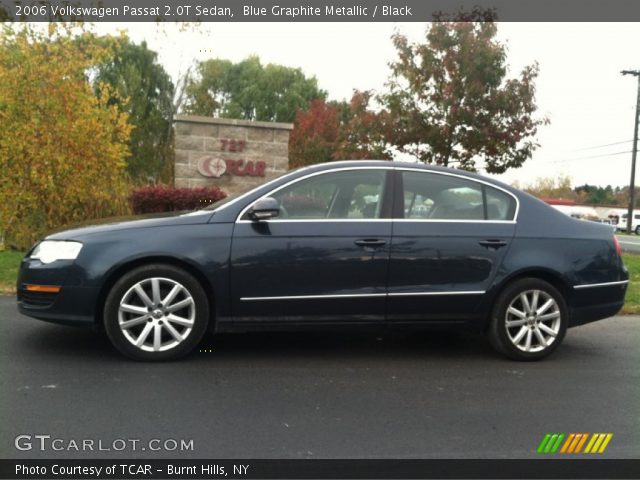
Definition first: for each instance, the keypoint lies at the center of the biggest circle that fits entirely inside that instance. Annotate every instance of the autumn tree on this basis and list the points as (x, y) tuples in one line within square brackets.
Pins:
[(314, 138), (142, 89), (551, 187), (329, 131), (249, 90), (621, 195), (62, 149), (450, 102)]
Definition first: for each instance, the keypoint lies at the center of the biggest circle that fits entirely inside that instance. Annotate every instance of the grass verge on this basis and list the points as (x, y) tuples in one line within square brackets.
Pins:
[(632, 300), (9, 264)]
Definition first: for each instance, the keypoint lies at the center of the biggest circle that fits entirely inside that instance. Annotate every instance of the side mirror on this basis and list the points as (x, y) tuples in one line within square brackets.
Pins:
[(264, 209)]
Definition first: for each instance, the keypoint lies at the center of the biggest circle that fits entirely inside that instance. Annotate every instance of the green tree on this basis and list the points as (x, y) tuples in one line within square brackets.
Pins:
[(450, 102), (596, 195), (248, 90), (63, 149), (143, 90)]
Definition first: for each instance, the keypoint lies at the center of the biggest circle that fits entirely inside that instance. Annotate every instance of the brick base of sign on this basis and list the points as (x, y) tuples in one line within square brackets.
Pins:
[(233, 155)]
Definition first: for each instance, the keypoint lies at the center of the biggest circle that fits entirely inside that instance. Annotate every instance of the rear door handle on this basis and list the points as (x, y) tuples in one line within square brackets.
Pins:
[(492, 243), (370, 242)]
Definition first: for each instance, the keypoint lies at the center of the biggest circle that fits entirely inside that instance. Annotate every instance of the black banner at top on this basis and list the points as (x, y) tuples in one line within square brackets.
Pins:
[(313, 10)]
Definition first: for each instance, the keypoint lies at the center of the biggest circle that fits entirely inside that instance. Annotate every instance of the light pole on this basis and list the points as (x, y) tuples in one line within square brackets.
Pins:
[(632, 183)]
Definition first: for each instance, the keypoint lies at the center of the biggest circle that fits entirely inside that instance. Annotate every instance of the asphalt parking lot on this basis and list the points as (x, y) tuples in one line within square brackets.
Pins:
[(317, 395)]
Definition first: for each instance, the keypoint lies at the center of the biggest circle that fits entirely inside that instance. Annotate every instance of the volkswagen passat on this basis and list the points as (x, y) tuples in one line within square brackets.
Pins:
[(334, 245)]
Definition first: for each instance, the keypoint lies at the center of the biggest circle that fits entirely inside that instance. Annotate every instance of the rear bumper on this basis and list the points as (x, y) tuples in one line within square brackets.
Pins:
[(597, 302), (74, 304), (580, 316)]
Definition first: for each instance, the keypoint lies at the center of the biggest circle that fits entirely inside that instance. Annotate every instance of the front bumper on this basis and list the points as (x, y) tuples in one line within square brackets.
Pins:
[(74, 304)]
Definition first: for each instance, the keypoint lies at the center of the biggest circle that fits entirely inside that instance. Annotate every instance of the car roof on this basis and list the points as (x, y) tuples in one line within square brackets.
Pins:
[(405, 164)]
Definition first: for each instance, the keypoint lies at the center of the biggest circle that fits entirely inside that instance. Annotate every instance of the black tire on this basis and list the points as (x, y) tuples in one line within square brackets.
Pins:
[(167, 274), (499, 335), (638, 230)]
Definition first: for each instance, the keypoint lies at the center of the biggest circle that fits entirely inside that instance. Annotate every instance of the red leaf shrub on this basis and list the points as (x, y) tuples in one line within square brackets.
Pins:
[(161, 198)]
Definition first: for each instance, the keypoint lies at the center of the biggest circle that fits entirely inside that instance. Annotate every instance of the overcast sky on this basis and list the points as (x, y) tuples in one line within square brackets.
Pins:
[(580, 88)]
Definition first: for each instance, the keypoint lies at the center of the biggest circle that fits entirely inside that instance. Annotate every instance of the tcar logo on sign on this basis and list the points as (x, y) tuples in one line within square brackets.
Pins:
[(574, 443)]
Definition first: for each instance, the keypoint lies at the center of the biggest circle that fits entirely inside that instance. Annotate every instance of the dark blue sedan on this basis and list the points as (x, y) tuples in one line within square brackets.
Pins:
[(335, 245)]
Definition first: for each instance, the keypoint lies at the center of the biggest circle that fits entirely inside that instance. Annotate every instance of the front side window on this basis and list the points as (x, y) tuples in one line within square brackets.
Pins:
[(349, 194), (434, 196)]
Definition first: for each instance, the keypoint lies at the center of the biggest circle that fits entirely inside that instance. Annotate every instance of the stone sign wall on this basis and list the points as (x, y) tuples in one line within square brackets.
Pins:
[(231, 154)]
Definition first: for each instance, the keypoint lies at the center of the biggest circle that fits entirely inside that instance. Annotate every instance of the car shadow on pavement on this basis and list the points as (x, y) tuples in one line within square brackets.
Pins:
[(310, 344), (46, 340), (69, 342)]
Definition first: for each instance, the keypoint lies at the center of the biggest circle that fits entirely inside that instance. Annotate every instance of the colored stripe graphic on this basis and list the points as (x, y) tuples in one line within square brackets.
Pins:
[(550, 443), (543, 443), (568, 442), (574, 443), (556, 445), (581, 442), (598, 443), (604, 445)]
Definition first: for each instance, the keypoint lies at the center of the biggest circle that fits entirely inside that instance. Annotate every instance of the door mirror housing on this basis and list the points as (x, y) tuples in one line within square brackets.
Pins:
[(264, 209)]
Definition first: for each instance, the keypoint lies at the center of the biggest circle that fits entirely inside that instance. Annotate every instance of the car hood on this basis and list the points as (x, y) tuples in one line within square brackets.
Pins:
[(125, 223)]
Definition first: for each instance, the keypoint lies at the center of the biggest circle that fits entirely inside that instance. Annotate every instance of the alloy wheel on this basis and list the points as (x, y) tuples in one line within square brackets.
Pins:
[(156, 314), (533, 320)]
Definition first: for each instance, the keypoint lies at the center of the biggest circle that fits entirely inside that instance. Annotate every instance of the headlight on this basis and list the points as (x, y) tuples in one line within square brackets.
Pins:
[(51, 250)]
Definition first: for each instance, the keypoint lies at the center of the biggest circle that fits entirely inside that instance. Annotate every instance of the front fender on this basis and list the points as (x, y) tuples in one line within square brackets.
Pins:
[(203, 251)]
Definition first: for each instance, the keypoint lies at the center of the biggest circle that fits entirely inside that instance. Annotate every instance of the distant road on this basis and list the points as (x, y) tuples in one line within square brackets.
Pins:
[(630, 244)]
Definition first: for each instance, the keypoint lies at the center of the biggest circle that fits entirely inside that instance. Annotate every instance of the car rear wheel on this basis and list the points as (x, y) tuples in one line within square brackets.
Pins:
[(156, 312), (529, 320), (638, 230)]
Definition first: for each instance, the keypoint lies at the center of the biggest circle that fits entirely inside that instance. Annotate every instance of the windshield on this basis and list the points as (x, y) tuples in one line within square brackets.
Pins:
[(240, 193)]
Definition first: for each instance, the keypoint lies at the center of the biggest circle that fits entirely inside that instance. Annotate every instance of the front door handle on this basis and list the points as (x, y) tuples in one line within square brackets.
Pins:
[(370, 242), (493, 243)]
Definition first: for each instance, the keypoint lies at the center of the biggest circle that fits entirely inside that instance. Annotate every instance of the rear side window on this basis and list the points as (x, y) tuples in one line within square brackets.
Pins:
[(433, 196), (500, 205)]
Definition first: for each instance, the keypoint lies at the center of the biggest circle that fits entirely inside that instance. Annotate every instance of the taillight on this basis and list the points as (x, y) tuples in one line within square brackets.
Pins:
[(616, 243)]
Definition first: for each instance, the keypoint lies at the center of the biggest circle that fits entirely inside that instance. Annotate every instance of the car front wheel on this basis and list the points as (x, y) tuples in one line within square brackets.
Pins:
[(156, 312), (529, 320)]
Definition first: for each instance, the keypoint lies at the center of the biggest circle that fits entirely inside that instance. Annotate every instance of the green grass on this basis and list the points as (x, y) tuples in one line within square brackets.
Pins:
[(9, 263), (632, 300)]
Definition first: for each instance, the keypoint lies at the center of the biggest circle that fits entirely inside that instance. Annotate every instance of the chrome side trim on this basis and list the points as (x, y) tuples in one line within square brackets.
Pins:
[(390, 167), (356, 220), (418, 294), (605, 284), (310, 297), (316, 220), (359, 295)]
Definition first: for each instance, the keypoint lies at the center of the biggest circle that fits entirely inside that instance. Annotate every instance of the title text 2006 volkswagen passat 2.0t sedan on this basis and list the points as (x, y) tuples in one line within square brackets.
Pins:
[(343, 244)]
